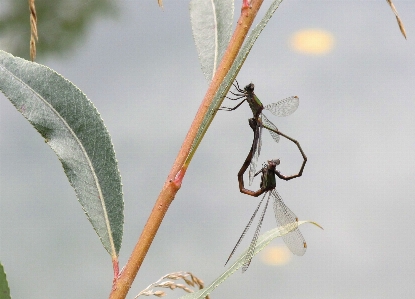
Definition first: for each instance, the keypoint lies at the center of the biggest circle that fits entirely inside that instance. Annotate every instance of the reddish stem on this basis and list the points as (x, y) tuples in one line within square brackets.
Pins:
[(115, 266), (175, 177)]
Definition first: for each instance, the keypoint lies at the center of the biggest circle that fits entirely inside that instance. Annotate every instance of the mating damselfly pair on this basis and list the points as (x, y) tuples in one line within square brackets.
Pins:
[(286, 219)]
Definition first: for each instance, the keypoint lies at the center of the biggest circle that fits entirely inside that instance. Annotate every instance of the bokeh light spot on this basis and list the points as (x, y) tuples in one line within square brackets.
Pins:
[(312, 41), (276, 255)]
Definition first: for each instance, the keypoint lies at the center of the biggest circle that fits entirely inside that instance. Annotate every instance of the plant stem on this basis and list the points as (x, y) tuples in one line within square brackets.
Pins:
[(174, 180)]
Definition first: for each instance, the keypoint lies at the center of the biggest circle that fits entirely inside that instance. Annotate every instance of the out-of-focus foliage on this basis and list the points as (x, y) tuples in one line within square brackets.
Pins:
[(61, 24)]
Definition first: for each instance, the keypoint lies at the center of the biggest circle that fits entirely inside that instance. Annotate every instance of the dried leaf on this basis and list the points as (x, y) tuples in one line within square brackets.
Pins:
[(398, 19)]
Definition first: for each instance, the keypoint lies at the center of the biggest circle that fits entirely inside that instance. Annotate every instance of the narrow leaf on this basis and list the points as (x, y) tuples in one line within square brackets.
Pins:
[(4, 286), (398, 19), (262, 242), (211, 25), (233, 72), (73, 128)]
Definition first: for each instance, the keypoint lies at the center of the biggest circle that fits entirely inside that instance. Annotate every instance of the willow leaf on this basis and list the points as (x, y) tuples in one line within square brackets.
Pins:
[(231, 75), (73, 128), (211, 26), (262, 242), (4, 286)]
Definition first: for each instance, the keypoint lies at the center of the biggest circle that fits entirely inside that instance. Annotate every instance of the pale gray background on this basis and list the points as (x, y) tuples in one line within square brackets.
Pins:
[(355, 122)]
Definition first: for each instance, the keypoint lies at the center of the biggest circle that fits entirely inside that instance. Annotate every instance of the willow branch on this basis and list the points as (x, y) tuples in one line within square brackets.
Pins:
[(173, 183)]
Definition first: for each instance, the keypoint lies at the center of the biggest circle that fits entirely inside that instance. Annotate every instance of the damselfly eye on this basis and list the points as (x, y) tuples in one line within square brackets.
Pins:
[(274, 163)]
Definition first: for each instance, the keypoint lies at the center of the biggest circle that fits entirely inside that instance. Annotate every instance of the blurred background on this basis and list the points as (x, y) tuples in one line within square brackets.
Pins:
[(138, 65)]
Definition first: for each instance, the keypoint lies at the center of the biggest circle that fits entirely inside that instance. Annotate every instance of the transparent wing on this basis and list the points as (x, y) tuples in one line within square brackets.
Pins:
[(257, 149), (259, 124), (284, 107), (287, 221), (252, 166), (245, 230), (251, 249), (269, 124)]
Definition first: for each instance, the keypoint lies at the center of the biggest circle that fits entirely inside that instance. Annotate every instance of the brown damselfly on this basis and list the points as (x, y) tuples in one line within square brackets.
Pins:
[(286, 219), (281, 108)]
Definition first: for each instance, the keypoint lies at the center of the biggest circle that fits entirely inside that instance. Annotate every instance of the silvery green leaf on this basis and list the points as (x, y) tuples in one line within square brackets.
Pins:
[(4, 286), (211, 25), (73, 128), (233, 72)]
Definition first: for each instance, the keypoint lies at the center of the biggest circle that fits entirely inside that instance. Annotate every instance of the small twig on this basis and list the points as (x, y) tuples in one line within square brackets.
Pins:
[(193, 282), (33, 29), (400, 23)]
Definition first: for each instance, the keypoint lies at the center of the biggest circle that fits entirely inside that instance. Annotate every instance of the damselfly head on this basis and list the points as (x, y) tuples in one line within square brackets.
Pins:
[(249, 88), (273, 163)]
